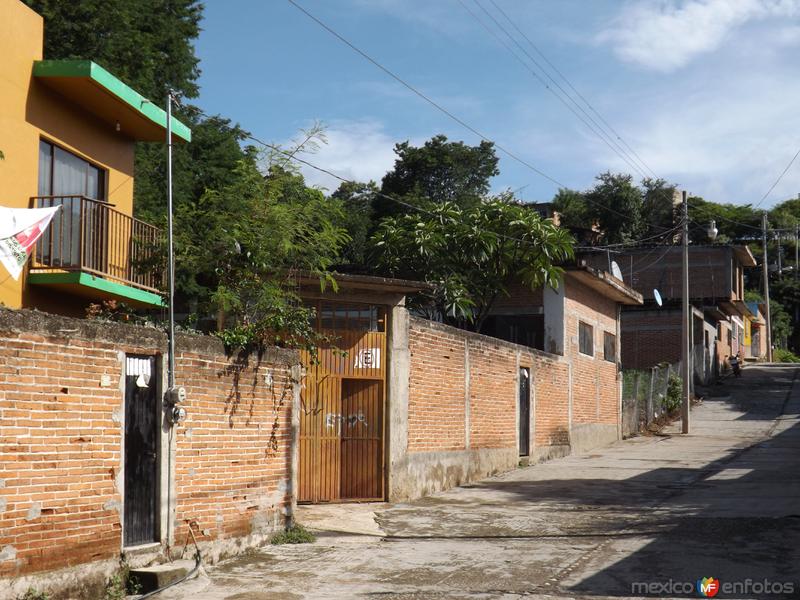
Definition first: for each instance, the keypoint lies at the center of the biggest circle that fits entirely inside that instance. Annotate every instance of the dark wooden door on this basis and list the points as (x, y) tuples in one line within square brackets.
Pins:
[(524, 412), (141, 451)]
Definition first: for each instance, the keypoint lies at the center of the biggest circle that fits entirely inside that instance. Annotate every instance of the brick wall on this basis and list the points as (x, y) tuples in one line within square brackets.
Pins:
[(438, 384), (436, 407), (61, 439), (594, 379), (650, 337)]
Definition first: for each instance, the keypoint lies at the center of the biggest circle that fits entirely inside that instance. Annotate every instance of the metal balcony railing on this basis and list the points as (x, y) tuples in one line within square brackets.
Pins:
[(90, 236)]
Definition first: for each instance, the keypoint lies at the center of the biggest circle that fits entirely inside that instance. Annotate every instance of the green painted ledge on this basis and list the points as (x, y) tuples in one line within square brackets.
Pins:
[(97, 283), (91, 70)]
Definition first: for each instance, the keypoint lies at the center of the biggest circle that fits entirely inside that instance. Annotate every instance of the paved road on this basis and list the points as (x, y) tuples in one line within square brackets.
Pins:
[(663, 511)]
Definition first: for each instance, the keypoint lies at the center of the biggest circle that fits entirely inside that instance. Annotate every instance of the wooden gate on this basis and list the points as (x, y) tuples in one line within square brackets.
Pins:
[(342, 406)]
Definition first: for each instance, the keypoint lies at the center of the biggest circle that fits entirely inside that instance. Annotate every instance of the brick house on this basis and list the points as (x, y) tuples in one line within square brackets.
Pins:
[(651, 334), (67, 131), (579, 321)]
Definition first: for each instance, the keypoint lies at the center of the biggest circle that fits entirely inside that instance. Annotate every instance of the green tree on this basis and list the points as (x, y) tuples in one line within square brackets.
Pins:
[(735, 222), (146, 43), (614, 195), (357, 201), (573, 209), (242, 246), (470, 254), (658, 211), (438, 171)]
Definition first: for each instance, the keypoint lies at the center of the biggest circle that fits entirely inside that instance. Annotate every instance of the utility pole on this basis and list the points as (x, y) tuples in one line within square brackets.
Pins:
[(686, 342), (765, 270)]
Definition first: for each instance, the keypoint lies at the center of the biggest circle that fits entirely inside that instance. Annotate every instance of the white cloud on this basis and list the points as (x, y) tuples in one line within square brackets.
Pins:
[(667, 34), (356, 150)]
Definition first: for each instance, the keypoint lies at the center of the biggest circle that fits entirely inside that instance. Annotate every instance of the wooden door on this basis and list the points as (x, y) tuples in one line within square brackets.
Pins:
[(141, 451), (342, 407)]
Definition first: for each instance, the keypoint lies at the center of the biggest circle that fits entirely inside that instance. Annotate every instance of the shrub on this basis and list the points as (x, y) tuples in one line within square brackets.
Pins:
[(672, 399), (784, 356), (296, 534)]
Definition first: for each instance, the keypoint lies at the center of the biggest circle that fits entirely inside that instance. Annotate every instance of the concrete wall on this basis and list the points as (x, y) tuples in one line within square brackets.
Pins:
[(226, 471), (30, 112)]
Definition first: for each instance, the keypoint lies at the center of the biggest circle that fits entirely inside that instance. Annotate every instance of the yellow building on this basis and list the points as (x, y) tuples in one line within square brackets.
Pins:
[(67, 133)]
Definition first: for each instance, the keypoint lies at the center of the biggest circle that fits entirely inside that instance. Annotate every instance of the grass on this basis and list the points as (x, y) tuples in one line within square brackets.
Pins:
[(296, 534), (784, 356), (34, 594)]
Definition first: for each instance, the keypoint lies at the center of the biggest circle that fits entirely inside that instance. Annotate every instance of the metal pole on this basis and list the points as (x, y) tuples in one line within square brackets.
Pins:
[(171, 257), (686, 364), (796, 261), (765, 271)]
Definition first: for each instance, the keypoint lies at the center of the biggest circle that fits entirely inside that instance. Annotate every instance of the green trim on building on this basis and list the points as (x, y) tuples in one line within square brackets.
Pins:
[(90, 70), (97, 283)]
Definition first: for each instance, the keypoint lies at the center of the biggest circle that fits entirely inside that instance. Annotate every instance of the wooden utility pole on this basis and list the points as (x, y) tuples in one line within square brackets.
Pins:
[(765, 272)]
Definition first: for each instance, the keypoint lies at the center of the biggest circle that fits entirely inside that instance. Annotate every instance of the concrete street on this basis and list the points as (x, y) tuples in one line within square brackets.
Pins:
[(722, 502)]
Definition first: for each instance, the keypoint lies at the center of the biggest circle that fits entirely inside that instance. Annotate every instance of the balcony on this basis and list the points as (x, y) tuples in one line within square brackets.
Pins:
[(98, 252)]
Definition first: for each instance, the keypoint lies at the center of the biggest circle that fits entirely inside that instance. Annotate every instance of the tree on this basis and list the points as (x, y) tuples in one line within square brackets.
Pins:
[(241, 247), (612, 196), (573, 209), (146, 43), (357, 201), (735, 222), (658, 211), (439, 171), (470, 254)]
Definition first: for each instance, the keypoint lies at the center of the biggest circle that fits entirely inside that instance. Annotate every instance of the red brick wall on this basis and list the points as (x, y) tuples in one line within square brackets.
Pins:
[(650, 337), (233, 459), (492, 394), (61, 438), (437, 387), (551, 389), (436, 408), (595, 394)]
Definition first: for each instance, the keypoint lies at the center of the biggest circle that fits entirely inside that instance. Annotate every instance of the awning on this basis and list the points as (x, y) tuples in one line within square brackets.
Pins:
[(96, 90)]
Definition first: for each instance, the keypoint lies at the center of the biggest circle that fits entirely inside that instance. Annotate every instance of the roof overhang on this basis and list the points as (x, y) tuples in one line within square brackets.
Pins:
[(715, 312), (744, 255), (605, 284), (96, 90), (368, 283), (735, 308)]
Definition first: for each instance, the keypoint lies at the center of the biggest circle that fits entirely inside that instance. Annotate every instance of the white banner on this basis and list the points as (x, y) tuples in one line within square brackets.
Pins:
[(19, 230)]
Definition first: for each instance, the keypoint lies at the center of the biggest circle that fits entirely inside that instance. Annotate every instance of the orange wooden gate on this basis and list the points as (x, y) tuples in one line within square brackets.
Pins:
[(342, 407)]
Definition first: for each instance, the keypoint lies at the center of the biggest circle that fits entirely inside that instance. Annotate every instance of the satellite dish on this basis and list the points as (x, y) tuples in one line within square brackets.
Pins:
[(615, 270), (657, 296)]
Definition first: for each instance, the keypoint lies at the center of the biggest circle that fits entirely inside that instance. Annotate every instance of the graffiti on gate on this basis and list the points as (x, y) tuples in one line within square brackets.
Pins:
[(335, 420)]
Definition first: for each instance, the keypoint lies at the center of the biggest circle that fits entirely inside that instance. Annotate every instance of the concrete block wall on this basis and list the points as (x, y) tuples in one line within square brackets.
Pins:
[(62, 438)]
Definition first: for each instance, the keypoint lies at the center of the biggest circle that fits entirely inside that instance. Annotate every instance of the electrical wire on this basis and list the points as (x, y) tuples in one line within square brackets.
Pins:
[(572, 87), (441, 108), (778, 180), (591, 124)]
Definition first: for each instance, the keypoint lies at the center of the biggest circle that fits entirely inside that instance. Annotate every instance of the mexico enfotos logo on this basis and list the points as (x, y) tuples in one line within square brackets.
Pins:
[(709, 587)]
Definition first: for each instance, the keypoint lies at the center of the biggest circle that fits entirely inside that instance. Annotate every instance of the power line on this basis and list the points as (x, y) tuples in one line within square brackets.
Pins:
[(572, 87), (778, 180), (593, 126), (440, 107)]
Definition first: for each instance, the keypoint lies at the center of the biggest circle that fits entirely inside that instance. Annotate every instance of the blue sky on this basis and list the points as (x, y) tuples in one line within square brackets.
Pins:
[(705, 91)]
